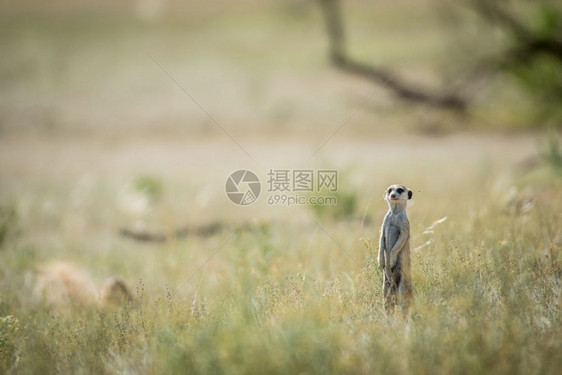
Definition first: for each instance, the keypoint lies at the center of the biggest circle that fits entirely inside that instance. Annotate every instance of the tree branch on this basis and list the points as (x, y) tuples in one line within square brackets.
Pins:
[(146, 236), (338, 55)]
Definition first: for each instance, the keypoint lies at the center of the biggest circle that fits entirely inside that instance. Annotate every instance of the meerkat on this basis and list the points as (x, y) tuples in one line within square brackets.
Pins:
[(394, 247)]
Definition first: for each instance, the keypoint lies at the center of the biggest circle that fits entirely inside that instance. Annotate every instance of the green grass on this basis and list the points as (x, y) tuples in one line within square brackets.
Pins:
[(283, 298)]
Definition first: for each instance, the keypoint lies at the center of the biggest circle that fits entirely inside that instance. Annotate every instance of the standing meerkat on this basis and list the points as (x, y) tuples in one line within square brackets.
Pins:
[(394, 248)]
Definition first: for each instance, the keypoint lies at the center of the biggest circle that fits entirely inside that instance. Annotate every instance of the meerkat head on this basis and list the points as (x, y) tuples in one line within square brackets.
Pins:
[(397, 194)]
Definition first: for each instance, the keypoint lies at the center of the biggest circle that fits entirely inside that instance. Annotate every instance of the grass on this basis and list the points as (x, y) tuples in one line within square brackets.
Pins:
[(282, 298)]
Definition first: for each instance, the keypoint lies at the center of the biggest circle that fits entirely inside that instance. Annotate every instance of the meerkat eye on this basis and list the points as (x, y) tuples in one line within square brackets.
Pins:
[(399, 190), (389, 190)]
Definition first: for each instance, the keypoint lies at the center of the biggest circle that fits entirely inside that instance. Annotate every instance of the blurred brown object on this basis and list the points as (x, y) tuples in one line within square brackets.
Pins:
[(64, 286), (115, 293), (207, 230)]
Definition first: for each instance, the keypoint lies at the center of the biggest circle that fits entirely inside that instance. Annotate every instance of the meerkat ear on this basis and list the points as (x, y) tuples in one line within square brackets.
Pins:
[(410, 194)]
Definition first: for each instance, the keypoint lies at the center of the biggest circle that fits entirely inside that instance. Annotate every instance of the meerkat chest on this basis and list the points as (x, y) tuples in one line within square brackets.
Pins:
[(391, 233), (394, 226)]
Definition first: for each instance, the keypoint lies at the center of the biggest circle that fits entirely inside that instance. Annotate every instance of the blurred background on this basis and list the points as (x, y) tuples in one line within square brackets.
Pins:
[(168, 88), (132, 114), (264, 67)]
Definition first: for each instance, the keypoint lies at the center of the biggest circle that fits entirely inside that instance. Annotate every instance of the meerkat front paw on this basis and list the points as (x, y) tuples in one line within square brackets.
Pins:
[(393, 260)]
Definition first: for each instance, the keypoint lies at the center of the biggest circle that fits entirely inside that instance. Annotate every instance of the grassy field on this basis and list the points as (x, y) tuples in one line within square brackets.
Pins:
[(96, 138), (281, 296)]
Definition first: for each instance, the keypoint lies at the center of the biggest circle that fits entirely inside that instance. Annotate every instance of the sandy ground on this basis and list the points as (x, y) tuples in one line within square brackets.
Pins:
[(52, 158)]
